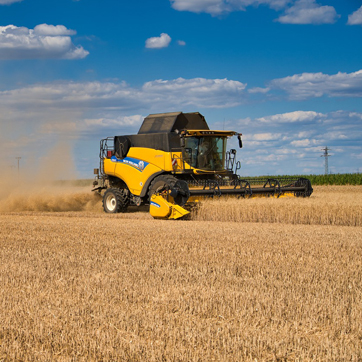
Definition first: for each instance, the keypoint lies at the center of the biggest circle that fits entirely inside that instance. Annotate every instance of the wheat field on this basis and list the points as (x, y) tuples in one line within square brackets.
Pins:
[(328, 205), (243, 280)]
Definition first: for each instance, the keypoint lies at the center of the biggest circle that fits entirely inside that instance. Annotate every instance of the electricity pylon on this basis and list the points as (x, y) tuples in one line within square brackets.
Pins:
[(325, 155)]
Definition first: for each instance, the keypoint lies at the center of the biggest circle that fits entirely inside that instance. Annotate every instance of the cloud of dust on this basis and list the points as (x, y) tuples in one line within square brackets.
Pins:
[(44, 183)]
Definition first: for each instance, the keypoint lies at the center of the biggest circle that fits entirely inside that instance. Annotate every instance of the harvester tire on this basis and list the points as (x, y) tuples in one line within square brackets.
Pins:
[(160, 183), (115, 201), (170, 182)]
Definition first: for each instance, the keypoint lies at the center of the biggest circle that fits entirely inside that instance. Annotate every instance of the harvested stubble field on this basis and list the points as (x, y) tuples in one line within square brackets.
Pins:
[(246, 280)]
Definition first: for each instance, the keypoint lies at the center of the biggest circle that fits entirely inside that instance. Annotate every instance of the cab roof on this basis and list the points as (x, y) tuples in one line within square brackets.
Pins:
[(170, 122)]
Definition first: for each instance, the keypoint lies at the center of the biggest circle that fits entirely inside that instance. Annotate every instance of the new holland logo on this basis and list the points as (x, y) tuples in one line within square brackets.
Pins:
[(137, 164)]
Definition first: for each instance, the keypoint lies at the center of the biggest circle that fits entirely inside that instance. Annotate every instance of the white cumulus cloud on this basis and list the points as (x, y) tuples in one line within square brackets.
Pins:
[(215, 93), (300, 137), (42, 42), (309, 12), (258, 90), (218, 7), (265, 136), (304, 143), (355, 18), (335, 135), (307, 85), (47, 100), (298, 12), (292, 117), (53, 30), (213, 7), (121, 121), (158, 42)]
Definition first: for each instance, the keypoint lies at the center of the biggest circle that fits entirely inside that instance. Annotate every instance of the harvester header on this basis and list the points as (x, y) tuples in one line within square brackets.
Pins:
[(174, 159)]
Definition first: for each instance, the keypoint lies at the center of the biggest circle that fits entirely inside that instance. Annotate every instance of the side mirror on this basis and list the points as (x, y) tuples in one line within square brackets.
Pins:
[(240, 141), (182, 142)]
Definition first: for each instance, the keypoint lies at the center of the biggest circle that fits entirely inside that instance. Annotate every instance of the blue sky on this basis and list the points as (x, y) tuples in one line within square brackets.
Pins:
[(285, 73)]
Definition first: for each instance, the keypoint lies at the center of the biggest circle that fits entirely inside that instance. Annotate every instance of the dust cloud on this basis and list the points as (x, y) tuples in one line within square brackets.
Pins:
[(48, 184)]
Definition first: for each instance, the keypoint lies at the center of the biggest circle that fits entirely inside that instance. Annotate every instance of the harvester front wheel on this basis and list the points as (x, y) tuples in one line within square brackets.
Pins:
[(161, 183), (115, 201), (179, 189)]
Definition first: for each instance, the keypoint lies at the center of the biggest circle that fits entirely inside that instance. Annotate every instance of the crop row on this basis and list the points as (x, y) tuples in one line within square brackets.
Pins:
[(331, 179)]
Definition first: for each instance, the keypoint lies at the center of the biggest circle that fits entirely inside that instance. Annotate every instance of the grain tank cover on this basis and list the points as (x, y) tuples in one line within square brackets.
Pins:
[(169, 122)]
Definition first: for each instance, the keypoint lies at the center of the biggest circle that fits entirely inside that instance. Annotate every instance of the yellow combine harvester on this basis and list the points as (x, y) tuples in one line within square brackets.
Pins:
[(175, 159)]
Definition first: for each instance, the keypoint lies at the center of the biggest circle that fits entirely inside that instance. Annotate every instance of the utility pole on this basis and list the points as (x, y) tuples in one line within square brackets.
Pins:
[(18, 158), (325, 155)]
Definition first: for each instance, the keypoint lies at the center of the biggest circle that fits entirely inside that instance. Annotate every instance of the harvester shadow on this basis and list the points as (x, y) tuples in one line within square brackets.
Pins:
[(136, 209)]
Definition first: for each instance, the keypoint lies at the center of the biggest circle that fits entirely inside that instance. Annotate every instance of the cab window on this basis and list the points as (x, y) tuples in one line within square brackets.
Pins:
[(205, 153)]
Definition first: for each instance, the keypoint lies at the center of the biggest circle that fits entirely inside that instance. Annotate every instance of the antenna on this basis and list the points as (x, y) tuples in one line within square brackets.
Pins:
[(326, 155)]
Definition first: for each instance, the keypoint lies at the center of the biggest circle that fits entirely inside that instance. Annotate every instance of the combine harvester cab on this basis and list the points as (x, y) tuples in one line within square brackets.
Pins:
[(174, 160)]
